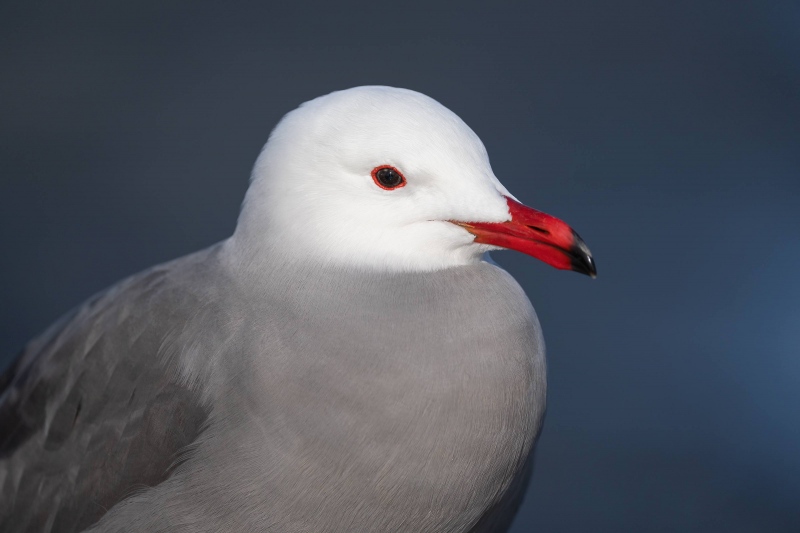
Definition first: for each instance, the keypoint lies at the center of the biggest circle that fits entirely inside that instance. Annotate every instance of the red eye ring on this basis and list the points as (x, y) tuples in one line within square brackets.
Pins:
[(388, 177)]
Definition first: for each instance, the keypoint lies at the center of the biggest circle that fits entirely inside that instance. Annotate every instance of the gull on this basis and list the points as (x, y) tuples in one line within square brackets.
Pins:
[(349, 360)]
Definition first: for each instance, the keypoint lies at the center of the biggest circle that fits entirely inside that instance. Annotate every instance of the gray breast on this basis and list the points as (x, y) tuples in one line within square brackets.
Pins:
[(300, 400), (428, 390), (367, 403)]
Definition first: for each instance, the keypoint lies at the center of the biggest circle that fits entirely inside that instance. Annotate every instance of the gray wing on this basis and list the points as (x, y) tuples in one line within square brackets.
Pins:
[(92, 411)]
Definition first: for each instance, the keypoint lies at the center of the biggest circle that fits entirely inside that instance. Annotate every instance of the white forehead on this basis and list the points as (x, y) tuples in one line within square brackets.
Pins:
[(383, 124)]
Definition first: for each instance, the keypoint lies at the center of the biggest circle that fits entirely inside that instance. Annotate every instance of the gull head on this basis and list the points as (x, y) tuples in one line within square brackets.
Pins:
[(380, 178)]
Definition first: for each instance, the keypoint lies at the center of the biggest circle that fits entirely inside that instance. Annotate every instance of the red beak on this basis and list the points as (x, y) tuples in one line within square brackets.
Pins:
[(538, 234)]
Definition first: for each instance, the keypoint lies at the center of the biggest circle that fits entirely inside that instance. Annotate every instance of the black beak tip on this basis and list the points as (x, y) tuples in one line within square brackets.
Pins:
[(581, 258), (584, 264), (592, 270)]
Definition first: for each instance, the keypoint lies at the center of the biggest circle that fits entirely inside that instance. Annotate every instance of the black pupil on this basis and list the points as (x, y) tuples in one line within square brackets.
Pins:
[(389, 178)]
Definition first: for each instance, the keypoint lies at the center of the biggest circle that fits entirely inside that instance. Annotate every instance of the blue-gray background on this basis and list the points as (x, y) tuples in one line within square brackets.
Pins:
[(666, 132)]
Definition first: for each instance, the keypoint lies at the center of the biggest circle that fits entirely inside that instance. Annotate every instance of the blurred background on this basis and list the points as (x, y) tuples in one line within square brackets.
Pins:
[(666, 132)]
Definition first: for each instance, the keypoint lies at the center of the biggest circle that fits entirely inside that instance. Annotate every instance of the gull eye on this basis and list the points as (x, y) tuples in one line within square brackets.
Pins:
[(388, 177)]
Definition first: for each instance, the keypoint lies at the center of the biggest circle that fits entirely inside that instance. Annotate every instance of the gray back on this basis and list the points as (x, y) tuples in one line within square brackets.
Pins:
[(90, 411)]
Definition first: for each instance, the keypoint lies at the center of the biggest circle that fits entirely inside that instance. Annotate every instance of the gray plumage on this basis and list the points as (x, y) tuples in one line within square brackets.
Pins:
[(321, 415), (345, 362)]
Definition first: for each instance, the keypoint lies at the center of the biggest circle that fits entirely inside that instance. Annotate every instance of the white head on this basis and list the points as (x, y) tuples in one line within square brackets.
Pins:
[(313, 195)]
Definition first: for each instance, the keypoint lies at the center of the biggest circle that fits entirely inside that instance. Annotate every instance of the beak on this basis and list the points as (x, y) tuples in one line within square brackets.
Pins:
[(538, 234)]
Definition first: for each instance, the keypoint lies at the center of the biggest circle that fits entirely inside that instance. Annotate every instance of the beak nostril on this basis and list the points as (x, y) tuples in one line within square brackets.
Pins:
[(540, 230)]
